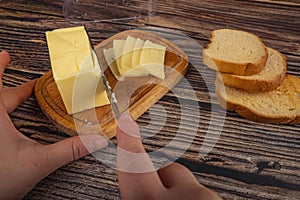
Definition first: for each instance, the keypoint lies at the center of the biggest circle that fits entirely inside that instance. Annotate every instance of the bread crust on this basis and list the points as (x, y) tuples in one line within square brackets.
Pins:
[(251, 114), (242, 69), (254, 85)]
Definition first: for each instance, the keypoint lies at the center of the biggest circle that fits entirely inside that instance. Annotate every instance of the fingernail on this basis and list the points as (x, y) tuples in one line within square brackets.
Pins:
[(125, 118), (98, 143), (127, 124)]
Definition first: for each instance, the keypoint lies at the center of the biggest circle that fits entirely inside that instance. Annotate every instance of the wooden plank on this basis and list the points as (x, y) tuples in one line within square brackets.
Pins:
[(230, 188), (96, 182)]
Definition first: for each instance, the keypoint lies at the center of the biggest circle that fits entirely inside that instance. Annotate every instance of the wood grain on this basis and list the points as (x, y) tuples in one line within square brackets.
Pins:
[(236, 167)]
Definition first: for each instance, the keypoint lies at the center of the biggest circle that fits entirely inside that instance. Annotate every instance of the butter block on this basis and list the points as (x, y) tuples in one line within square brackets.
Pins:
[(76, 70), (152, 59)]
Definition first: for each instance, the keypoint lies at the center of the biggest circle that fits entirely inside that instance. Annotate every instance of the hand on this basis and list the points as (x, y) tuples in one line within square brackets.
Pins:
[(24, 162), (172, 182)]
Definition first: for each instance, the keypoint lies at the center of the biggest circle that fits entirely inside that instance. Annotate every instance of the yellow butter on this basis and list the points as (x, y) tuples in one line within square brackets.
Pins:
[(118, 46), (112, 63), (152, 59), (126, 61), (138, 46), (135, 57), (76, 70)]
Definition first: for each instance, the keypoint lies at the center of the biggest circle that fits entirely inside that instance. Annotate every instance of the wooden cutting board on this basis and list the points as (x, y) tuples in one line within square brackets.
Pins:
[(100, 120)]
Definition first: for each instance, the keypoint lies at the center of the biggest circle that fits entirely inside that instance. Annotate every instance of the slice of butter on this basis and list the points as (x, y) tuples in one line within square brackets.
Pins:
[(126, 61), (152, 59), (118, 50), (138, 46), (118, 46), (109, 56), (76, 70)]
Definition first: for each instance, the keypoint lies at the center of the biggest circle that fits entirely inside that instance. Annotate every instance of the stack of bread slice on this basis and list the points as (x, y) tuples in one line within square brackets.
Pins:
[(251, 78)]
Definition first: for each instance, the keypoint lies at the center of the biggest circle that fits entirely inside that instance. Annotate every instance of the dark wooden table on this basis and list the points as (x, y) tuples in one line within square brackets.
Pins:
[(249, 160)]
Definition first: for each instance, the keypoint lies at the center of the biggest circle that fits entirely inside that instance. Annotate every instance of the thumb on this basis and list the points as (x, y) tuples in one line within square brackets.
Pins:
[(71, 149), (13, 97), (4, 60), (178, 177), (171, 174)]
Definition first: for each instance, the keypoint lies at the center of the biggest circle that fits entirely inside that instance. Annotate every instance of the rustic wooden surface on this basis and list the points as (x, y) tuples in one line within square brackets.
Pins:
[(249, 160)]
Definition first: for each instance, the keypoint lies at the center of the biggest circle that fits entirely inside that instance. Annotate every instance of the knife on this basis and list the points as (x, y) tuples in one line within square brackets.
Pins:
[(111, 95)]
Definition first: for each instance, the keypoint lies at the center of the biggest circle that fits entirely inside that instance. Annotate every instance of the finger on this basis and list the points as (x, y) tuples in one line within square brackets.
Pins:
[(5, 89), (174, 172), (176, 176), (71, 149), (4, 60), (132, 156), (136, 174), (13, 97)]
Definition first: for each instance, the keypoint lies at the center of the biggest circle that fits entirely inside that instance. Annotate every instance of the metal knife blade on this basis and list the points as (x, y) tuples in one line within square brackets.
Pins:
[(110, 93)]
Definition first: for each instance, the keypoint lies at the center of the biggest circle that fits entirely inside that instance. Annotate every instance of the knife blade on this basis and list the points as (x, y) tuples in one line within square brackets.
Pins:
[(111, 95)]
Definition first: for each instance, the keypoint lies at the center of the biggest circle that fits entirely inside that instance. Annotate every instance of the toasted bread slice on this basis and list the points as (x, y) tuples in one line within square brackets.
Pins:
[(270, 77), (280, 106), (235, 52)]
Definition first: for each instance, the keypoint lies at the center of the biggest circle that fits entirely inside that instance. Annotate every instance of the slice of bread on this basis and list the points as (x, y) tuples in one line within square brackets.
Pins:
[(235, 52), (270, 77), (280, 106)]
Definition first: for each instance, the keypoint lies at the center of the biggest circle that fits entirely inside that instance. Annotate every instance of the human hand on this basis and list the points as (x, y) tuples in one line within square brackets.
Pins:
[(172, 182), (24, 162)]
